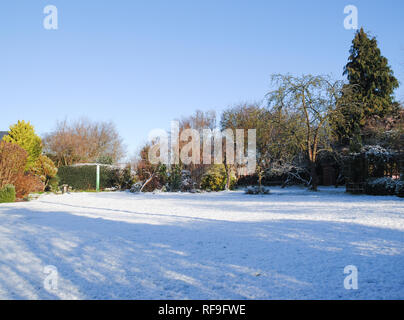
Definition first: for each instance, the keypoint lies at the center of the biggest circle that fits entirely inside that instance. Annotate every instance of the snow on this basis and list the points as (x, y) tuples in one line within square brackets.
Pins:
[(291, 244)]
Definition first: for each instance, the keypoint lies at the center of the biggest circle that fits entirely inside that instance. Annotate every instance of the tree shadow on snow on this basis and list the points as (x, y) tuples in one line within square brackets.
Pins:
[(201, 259)]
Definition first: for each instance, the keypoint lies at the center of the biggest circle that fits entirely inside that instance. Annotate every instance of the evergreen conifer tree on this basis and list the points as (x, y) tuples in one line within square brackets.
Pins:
[(372, 84), (23, 134)]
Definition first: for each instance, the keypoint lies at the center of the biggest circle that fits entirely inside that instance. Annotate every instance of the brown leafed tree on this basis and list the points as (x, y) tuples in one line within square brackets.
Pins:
[(146, 172), (84, 141), (13, 159)]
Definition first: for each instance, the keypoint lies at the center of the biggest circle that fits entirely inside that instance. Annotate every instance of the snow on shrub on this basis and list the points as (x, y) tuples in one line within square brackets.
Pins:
[(379, 158), (377, 153), (187, 184), (381, 186), (372, 162), (257, 190), (136, 187)]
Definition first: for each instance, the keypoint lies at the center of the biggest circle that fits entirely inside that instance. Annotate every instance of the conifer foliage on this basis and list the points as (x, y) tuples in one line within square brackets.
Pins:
[(23, 134), (368, 69)]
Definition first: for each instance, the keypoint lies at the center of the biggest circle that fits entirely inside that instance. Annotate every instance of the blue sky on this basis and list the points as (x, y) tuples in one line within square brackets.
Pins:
[(144, 63)]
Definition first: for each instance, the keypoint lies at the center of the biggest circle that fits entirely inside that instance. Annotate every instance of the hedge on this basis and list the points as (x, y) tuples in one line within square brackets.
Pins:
[(84, 177)]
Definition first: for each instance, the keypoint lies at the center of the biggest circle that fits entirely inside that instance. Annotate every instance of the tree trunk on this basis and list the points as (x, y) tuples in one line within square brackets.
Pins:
[(314, 178), (228, 174), (147, 182), (259, 178), (313, 172)]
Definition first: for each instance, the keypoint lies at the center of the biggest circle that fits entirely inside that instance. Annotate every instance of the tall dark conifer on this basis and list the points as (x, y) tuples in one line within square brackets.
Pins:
[(372, 84)]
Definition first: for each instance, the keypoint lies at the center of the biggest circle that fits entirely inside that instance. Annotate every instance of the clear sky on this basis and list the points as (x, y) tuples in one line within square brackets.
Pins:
[(144, 63)]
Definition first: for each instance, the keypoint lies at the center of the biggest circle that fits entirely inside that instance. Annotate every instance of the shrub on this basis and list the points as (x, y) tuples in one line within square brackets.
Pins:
[(380, 186), (12, 163), (26, 184), (215, 179), (13, 159), (23, 134), (53, 184), (400, 189), (45, 169), (84, 177), (378, 158), (187, 184), (136, 187), (174, 178), (257, 190), (7, 194), (126, 178)]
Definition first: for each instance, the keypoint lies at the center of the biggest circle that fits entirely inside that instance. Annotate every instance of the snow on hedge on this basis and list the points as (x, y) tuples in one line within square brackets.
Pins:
[(373, 152)]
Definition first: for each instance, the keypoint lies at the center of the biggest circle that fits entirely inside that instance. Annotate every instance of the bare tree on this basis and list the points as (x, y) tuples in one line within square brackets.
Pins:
[(314, 99), (199, 121), (84, 141), (249, 116)]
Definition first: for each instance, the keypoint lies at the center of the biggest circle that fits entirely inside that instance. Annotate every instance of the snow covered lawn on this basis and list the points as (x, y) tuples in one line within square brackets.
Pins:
[(292, 244)]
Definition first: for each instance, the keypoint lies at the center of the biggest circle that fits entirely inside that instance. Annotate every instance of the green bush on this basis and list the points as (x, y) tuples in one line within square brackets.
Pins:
[(53, 184), (125, 178), (174, 178), (84, 177), (7, 194), (380, 186), (400, 189), (45, 169), (215, 179)]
